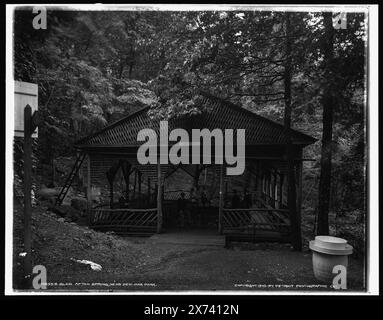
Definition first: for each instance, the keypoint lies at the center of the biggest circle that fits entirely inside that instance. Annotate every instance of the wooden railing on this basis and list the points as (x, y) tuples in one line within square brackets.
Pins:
[(124, 220), (175, 194), (271, 201), (255, 219)]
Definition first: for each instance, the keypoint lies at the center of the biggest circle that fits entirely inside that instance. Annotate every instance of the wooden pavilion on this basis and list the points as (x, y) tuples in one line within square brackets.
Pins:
[(127, 197)]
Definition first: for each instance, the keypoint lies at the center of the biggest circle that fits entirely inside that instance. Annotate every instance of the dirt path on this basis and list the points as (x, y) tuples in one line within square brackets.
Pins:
[(138, 264)]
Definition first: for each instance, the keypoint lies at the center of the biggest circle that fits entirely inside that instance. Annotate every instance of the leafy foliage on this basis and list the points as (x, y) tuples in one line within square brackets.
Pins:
[(92, 68)]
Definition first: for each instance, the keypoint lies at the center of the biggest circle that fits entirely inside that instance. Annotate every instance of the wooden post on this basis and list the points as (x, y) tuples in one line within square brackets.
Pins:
[(264, 185), (139, 185), (259, 181), (220, 212), (264, 192), (27, 195), (299, 178), (127, 182), (295, 218), (135, 183), (281, 177), (267, 184), (275, 189), (149, 188), (159, 198)]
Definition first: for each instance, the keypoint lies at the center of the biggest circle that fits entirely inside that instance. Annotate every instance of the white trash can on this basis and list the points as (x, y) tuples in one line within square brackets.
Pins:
[(329, 252)]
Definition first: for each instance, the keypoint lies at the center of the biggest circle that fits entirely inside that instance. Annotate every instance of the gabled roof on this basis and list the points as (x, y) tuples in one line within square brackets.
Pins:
[(216, 113)]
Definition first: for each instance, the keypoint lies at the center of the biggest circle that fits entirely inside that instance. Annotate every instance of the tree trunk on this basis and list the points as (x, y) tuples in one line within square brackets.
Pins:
[(53, 173), (121, 70), (130, 70), (295, 218), (328, 104)]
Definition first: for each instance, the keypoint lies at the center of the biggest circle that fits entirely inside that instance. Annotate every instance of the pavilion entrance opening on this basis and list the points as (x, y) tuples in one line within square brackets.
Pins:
[(191, 198)]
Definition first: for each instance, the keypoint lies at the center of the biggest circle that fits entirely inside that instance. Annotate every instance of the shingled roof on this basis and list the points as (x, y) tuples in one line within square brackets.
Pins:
[(217, 113)]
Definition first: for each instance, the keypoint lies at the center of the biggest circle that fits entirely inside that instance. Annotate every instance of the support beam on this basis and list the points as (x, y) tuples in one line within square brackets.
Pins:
[(275, 191), (281, 178), (259, 180), (127, 185), (268, 185), (149, 189), (135, 184), (159, 198)]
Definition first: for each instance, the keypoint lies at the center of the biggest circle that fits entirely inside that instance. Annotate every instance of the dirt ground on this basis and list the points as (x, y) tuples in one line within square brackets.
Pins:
[(137, 264)]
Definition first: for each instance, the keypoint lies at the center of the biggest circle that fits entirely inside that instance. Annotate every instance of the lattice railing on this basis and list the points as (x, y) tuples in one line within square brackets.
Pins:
[(126, 220), (243, 220), (271, 201)]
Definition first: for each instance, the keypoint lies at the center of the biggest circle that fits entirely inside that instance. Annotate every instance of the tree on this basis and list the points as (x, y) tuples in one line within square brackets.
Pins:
[(328, 102), (76, 63), (295, 218), (93, 68)]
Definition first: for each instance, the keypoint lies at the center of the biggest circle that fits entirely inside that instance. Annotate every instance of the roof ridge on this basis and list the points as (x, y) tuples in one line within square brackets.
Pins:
[(222, 102)]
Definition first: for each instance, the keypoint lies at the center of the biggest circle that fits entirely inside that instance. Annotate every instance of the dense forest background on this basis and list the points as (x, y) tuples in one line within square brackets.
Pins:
[(92, 68)]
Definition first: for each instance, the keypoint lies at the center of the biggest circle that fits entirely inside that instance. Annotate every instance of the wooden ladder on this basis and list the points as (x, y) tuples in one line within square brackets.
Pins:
[(60, 198)]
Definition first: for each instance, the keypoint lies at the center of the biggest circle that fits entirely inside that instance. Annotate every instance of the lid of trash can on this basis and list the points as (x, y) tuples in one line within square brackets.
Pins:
[(330, 242), (331, 245)]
